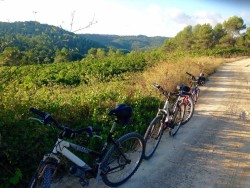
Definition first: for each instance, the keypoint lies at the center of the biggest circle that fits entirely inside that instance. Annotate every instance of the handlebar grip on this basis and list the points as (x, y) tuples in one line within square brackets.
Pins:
[(156, 85), (38, 112), (189, 74)]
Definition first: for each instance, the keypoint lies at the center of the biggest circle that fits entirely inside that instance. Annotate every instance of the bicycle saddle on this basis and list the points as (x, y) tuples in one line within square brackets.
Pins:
[(122, 112)]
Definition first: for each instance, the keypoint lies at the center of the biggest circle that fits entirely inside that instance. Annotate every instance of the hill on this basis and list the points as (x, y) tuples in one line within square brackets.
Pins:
[(127, 43), (35, 43)]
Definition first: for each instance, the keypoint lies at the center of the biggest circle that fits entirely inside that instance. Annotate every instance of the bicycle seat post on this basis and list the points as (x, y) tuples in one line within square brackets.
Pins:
[(113, 127)]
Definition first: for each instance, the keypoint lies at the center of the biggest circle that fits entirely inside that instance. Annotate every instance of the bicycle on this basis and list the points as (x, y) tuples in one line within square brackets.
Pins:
[(114, 165), (186, 97), (195, 82), (201, 79), (164, 119)]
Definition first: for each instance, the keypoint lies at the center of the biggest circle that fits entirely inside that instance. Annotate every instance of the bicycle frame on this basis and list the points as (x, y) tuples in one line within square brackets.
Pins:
[(183, 99), (195, 89), (62, 146), (165, 110)]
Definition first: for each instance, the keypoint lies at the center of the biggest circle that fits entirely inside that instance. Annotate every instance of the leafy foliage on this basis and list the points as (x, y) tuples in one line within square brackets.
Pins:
[(226, 35)]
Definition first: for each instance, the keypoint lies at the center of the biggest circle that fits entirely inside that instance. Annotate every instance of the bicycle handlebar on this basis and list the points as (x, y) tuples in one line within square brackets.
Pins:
[(189, 74), (192, 76), (46, 117), (163, 91), (66, 130)]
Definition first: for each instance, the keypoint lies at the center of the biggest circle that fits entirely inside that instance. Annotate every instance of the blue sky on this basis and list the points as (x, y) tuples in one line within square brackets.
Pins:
[(125, 17)]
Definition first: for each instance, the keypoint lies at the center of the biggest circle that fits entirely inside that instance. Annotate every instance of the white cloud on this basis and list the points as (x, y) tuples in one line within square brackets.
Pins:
[(202, 17), (177, 15), (113, 17), (246, 17)]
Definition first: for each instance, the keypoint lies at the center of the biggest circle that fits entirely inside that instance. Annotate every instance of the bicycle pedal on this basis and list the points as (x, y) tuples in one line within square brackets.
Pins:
[(84, 182)]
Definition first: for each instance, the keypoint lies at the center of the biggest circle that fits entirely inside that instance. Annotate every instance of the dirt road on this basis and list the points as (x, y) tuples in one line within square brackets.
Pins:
[(213, 149)]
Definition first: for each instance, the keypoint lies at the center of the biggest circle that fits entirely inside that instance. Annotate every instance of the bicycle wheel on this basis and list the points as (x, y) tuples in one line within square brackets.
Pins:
[(153, 136), (177, 118), (42, 177), (197, 95), (121, 163), (189, 110)]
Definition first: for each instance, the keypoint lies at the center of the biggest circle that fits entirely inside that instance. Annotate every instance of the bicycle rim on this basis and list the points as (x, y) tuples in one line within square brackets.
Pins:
[(177, 118), (189, 110), (197, 95), (194, 98), (116, 169), (153, 136)]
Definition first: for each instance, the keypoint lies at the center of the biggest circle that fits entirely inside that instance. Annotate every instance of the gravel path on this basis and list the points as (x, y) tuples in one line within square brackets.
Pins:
[(213, 149)]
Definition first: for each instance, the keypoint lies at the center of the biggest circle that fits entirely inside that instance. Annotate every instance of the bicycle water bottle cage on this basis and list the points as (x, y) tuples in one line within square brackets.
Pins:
[(122, 112), (183, 87)]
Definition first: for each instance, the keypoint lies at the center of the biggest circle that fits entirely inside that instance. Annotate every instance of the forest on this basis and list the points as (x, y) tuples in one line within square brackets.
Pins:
[(78, 81), (127, 43)]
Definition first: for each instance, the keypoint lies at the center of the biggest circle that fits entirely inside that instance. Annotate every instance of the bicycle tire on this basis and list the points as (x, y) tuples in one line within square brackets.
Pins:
[(130, 144), (189, 111), (153, 136), (194, 96), (197, 95), (44, 181), (177, 118)]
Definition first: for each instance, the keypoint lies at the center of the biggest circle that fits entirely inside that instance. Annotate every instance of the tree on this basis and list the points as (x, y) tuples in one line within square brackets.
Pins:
[(226, 42), (62, 55), (234, 25), (218, 33), (11, 56), (169, 45), (240, 41), (247, 37), (183, 39), (100, 53), (202, 36)]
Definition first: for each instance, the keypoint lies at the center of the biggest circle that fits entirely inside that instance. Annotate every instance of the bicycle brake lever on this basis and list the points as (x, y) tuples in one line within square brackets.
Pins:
[(97, 136), (39, 120)]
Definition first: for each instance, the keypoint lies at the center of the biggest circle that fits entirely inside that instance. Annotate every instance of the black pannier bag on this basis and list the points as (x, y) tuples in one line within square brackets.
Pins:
[(201, 80), (182, 87)]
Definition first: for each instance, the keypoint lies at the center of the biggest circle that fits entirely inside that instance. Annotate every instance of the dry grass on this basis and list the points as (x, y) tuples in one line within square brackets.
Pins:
[(171, 73)]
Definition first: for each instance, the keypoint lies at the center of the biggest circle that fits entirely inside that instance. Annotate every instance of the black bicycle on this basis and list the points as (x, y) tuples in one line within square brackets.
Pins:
[(166, 118), (114, 165)]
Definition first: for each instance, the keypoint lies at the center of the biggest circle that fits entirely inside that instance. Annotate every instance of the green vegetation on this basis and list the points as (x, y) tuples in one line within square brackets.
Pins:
[(35, 43), (127, 43), (80, 93)]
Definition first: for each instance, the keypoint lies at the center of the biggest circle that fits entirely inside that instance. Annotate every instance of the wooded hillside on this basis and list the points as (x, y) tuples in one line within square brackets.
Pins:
[(127, 43)]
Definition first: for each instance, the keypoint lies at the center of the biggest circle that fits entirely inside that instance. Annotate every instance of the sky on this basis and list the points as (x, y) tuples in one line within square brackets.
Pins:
[(124, 17)]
